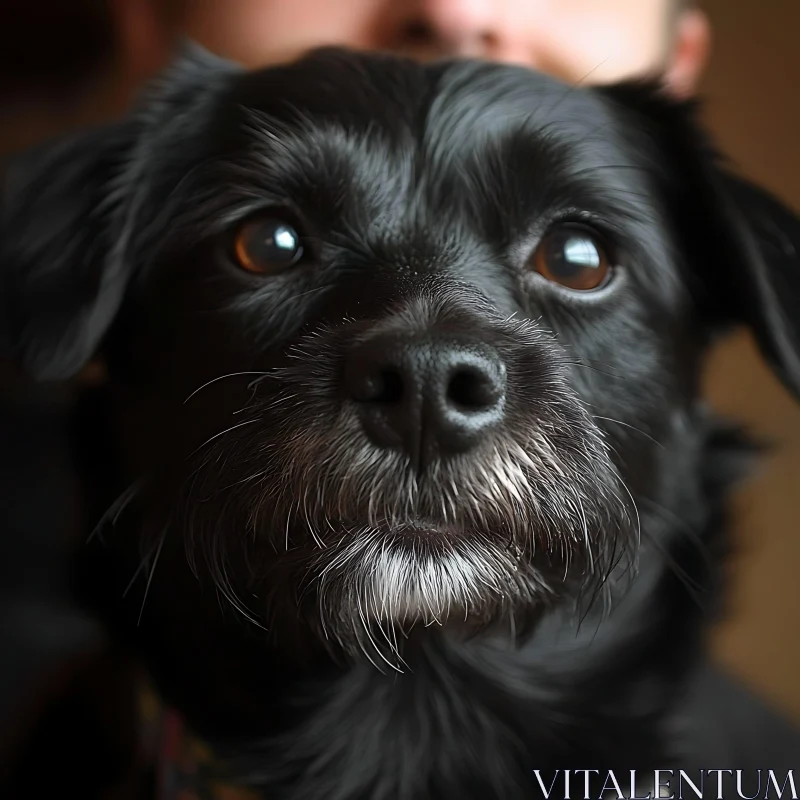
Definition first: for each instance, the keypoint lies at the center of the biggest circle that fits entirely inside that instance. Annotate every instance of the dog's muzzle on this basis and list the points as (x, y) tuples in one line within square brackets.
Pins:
[(436, 463)]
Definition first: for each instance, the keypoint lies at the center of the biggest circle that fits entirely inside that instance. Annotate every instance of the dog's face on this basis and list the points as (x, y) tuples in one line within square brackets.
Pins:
[(399, 345)]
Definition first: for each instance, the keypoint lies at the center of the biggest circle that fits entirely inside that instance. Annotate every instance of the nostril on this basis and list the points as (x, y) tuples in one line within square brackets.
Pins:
[(373, 384), (388, 386), (471, 389)]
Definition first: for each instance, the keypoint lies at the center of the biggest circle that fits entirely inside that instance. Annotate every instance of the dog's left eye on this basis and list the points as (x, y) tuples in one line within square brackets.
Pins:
[(574, 257), (266, 245)]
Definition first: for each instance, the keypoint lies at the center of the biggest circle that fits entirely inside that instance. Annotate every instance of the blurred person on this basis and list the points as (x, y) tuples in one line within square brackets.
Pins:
[(65, 64), (599, 41)]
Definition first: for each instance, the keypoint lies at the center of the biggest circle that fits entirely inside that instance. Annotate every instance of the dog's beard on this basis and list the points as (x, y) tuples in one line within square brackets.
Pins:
[(367, 548), (372, 589), (496, 534)]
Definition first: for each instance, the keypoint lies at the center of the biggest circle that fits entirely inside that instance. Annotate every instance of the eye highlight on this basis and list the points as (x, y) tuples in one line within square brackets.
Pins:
[(572, 256), (266, 245)]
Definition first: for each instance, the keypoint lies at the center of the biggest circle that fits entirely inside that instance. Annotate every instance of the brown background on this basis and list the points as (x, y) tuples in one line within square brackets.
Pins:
[(753, 93)]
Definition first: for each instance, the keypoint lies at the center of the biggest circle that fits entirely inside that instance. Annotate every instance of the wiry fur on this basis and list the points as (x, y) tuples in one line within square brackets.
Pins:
[(345, 620), (509, 534)]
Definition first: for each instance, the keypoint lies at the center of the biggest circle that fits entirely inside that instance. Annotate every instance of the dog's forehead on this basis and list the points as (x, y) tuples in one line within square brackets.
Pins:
[(405, 137), (442, 108)]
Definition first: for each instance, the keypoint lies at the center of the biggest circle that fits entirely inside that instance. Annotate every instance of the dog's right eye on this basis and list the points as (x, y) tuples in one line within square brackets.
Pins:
[(266, 245)]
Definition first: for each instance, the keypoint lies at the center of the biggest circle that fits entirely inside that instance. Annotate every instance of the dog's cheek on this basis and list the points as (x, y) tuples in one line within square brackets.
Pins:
[(635, 368), (180, 374)]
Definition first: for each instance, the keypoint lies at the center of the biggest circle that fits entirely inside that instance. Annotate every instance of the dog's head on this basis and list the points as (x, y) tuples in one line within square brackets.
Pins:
[(393, 343)]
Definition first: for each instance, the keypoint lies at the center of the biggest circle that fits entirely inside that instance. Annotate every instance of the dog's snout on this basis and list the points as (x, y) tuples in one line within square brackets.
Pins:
[(431, 397)]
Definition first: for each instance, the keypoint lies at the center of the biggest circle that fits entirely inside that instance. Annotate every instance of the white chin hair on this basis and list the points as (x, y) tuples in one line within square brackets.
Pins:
[(407, 581)]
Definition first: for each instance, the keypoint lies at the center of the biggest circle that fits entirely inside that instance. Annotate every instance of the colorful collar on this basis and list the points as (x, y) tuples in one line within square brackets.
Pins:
[(185, 767)]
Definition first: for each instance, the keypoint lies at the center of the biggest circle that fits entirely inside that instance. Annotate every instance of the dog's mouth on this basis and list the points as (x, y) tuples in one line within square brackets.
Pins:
[(421, 536)]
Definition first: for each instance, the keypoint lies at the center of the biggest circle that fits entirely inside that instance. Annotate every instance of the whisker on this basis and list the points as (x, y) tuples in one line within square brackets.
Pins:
[(222, 378), (584, 365), (574, 87), (114, 511), (142, 564), (222, 433), (152, 572), (632, 427)]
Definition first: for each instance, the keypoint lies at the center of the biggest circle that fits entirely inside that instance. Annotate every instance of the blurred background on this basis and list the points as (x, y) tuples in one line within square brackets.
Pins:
[(753, 108)]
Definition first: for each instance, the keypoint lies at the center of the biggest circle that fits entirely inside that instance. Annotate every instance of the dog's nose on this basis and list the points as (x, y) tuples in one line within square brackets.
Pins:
[(431, 397)]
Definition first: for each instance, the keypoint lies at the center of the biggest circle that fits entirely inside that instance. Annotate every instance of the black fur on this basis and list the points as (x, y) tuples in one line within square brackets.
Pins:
[(591, 520)]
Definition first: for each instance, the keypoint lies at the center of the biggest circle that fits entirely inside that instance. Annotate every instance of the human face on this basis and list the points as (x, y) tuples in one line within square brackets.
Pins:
[(594, 40)]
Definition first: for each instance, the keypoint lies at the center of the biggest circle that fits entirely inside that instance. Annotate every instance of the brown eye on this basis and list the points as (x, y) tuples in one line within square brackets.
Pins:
[(572, 256), (267, 245)]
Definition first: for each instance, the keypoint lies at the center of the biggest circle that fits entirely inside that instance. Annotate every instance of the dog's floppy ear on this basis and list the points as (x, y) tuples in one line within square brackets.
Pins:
[(770, 299), (67, 210), (742, 244), (62, 277)]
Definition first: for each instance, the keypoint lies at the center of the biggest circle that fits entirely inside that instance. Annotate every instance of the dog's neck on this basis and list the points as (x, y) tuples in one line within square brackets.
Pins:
[(393, 734)]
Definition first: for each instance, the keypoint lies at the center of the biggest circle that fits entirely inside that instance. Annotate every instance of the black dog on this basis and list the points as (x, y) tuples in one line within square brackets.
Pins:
[(404, 369)]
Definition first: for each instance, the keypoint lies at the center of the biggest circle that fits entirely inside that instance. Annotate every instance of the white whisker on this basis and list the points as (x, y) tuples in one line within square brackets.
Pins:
[(199, 389)]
